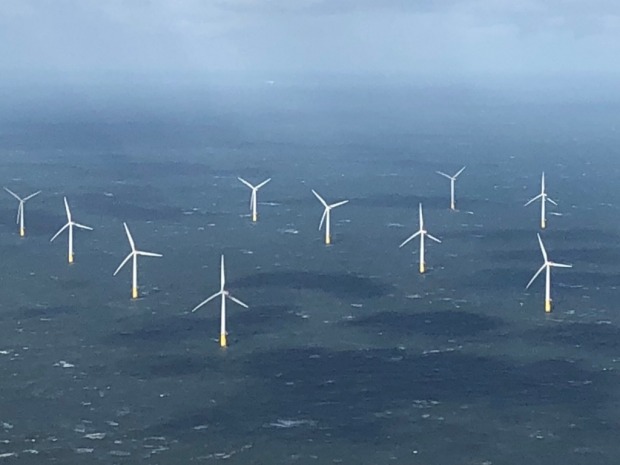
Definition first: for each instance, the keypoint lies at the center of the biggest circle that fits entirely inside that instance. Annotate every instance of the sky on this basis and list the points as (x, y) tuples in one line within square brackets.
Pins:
[(81, 38)]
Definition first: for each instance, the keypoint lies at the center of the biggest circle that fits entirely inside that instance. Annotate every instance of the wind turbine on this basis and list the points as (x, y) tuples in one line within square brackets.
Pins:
[(225, 294), (70, 224), (134, 254), (543, 198), (20, 209), (326, 215), (547, 267), (253, 196), (421, 232), (452, 181)]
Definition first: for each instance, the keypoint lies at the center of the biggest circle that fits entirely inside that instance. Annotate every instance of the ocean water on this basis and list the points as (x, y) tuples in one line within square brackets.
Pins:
[(347, 354)]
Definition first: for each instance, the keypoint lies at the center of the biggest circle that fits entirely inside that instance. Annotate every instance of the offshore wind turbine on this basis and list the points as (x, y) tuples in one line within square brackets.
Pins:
[(547, 267), (70, 224), (421, 232), (543, 199), (134, 254), (253, 196), (20, 209), (326, 215), (225, 295), (452, 181)]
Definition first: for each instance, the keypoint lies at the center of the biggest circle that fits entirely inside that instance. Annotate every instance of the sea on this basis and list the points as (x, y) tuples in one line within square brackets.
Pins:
[(347, 354)]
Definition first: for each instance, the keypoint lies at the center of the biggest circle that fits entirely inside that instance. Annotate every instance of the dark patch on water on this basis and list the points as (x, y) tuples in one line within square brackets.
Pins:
[(44, 312), (604, 338), (341, 285), (451, 324)]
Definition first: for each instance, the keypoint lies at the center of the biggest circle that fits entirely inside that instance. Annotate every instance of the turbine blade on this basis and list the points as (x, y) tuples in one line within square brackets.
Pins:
[(252, 197), (413, 236), (19, 210), (542, 248), (123, 263), (67, 209), (552, 201), (148, 254), (433, 238), (131, 242), (263, 183), (32, 195), (540, 270), (206, 301), (421, 216), (245, 182), (560, 265), (443, 174), (542, 183), (222, 274), (81, 226), (459, 172), (59, 231), (323, 217), (237, 301), (338, 204), (320, 198), (13, 193), (533, 199)]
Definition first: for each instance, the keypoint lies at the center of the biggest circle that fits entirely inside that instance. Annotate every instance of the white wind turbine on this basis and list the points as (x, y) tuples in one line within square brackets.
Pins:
[(20, 209), (253, 196), (547, 267), (452, 181), (326, 215), (543, 199), (134, 254), (224, 294), (70, 224), (421, 232)]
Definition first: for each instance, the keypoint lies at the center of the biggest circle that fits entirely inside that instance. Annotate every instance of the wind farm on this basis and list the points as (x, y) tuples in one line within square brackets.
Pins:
[(20, 209), (326, 217), (70, 225), (223, 294)]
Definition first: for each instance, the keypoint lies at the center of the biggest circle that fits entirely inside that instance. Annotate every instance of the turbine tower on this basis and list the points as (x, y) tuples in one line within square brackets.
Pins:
[(20, 209), (225, 295), (70, 224), (452, 181), (253, 195), (547, 267), (326, 218), (134, 254), (543, 199), (422, 233)]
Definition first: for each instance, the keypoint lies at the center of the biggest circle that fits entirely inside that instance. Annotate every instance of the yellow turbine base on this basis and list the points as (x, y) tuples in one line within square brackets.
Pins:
[(543, 224), (134, 292), (452, 207), (547, 306), (71, 258), (422, 268), (328, 240), (22, 232), (223, 340), (254, 217)]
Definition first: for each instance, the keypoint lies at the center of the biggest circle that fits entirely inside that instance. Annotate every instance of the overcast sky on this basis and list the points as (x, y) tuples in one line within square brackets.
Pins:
[(394, 37)]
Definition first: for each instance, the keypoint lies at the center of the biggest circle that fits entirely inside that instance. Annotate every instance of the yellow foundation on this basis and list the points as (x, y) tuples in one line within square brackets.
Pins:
[(223, 340), (328, 240), (254, 217), (422, 268), (547, 306), (22, 232), (134, 292), (70, 258), (543, 224)]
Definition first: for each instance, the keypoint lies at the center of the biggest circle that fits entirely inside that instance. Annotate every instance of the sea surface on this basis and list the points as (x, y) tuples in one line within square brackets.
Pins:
[(347, 354)]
